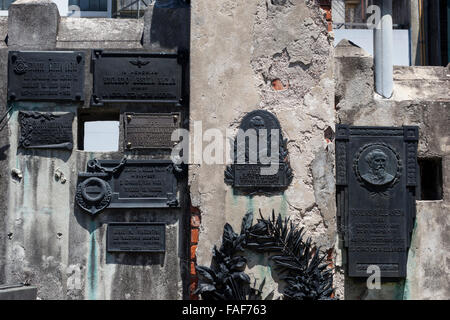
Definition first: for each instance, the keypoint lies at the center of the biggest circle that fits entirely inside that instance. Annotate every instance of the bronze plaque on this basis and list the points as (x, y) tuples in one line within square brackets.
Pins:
[(136, 77), (136, 237), (45, 130), (46, 75), (150, 130)]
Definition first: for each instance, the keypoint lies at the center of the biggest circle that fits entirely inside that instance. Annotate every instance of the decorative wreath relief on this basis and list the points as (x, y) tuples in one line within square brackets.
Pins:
[(301, 263)]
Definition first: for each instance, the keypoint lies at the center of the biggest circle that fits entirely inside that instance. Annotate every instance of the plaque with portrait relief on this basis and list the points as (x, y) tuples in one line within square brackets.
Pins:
[(376, 178)]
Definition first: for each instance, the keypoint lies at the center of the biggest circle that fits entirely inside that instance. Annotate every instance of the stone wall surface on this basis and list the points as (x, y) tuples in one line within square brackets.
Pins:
[(275, 56)]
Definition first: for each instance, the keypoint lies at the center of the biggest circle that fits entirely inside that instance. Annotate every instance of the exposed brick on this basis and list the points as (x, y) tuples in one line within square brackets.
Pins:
[(193, 271), (194, 236), (278, 85), (328, 15), (195, 221), (193, 251), (330, 26), (192, 288)]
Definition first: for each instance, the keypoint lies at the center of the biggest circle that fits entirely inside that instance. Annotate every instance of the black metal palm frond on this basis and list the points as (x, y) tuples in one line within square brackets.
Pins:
[(301, 263), (226, 279)]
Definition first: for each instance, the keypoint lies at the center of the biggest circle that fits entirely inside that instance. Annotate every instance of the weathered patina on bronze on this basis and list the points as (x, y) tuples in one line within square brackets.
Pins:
[(136, 77), (263, 165), (128, 184), (150, 130), (45, 130), (136, 237), (376, 178), (46, 75)]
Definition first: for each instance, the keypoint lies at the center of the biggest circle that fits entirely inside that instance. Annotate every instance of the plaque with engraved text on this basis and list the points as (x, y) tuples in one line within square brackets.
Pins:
[(136, 237), (128, 184), (41, 130), (376, 178), (260, 161), (46, 75), (136, 77), (150, 130)]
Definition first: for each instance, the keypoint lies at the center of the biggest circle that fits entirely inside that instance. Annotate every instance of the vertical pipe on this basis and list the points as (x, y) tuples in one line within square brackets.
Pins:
[(383, 51)]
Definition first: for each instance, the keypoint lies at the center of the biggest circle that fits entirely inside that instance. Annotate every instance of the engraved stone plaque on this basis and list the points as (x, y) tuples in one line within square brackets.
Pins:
[(150, 130), (260, 155), (376, 178), (45, 130), (136, 237), (128, 184), (46, 75), (136, 77)]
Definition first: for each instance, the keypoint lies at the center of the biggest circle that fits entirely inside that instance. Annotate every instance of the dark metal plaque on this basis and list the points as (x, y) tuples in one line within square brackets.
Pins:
[(46, 75), (136, 77), (45, 130), (136, 237), (376, 177), (127, 184), (249, 171), (150, 130)]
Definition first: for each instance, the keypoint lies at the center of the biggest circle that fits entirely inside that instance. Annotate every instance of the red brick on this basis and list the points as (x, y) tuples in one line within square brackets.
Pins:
[(278, 85), (195, 221), (328, 15), (194, 236), (193, 271), (330, 26), (193, 251)]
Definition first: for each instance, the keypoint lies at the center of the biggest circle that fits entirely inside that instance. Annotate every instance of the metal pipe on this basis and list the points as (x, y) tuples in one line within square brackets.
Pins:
[(383, 51)]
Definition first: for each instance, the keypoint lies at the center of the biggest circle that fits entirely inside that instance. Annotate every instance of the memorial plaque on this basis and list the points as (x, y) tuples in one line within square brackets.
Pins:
[(45, 130), (128, 184), (150, 130), (376, 178), (136, 237), (46, 75), (136, 77), (260, 155)]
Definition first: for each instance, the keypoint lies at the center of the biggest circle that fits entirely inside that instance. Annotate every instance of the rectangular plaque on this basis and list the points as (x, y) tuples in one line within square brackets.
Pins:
[(150, 130), (136, 237), (376, 170), (136, 77), (46, 75), (143, 184), (250, 175), (45, 130)]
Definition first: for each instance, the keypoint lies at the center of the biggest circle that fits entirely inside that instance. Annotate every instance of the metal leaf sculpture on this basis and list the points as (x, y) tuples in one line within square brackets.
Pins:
[(226, 279), (299, 262)]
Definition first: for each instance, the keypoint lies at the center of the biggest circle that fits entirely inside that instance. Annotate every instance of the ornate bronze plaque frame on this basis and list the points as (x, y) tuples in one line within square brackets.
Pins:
[(137, 77), (45, 130), (136, 237), (150, 130), (376, 178), (248, 177), (46, 75)]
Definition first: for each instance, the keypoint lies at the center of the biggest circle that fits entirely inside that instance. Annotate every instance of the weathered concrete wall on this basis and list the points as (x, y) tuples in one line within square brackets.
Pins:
[(242, 54), (46, 239), (421, 97)]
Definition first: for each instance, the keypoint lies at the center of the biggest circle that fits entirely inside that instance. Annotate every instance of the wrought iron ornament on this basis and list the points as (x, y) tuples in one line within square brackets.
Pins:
[(45, 130), (253, 176), (300, 262), (46, 75), (128, 184), (137, 77), (136, 237), (376, 178)]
